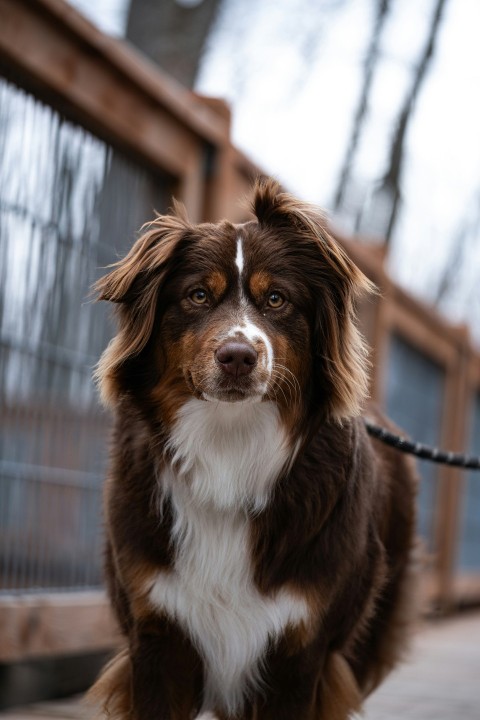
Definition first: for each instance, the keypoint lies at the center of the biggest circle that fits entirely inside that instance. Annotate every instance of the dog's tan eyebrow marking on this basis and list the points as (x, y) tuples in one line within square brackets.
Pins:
[(217, 283), (260, 282)]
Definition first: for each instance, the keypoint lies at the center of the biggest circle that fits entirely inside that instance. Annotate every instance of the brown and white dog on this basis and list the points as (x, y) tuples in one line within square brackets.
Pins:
[(258, 542)]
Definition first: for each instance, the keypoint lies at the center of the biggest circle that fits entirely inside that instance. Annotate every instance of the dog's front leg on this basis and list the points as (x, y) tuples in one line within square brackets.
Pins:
[(291, 686), (313, 684), (166, 673)]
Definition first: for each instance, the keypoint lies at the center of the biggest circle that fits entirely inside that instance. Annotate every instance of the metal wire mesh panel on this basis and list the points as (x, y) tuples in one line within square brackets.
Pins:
[(469, 540), (69, 205), (415, 386)]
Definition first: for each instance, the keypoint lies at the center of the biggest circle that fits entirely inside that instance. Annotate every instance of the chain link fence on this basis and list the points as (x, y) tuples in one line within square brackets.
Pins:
[(69, 206)]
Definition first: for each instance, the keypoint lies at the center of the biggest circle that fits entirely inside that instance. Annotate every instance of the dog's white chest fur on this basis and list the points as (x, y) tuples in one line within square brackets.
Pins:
[(226, 458)]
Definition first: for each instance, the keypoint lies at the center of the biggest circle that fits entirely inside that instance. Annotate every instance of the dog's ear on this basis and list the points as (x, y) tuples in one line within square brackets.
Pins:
[(340, 356), (134, 285), (146, 258)]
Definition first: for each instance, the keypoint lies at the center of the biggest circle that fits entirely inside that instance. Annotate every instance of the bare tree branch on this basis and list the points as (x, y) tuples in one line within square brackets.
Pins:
[(383, 7), (460, 252), (391, 181)]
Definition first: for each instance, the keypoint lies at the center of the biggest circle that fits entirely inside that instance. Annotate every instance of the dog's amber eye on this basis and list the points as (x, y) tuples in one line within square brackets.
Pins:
[(275, 300), (198, 296)]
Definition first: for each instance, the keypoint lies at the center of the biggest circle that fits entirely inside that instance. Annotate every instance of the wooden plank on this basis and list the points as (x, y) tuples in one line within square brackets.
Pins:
[(187, 106), (191, 186), (74, 79), (452, 480), (409, 323), (73, 709), (438, 331), (466, 589), (104, 85), (474, 371), (35, 626)]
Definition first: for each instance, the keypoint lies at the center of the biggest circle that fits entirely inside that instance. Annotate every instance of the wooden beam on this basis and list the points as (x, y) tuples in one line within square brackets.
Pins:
[(466, 589), (104, 85), (435, 324), (410, 323), (452, 480), (474, 371), (187, 107), (47, 624)]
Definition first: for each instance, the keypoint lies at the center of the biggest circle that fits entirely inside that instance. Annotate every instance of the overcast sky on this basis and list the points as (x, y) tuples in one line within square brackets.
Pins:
[(292, 72)]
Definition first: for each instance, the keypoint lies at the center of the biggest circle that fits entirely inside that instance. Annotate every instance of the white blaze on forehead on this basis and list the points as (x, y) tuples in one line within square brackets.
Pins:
[(248, 329), (239, 257)]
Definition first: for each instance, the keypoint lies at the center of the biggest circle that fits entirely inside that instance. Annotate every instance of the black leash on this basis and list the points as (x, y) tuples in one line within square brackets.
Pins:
[(422, 451)]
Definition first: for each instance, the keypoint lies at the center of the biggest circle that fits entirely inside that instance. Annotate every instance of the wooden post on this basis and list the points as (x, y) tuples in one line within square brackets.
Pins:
[(454, 437)]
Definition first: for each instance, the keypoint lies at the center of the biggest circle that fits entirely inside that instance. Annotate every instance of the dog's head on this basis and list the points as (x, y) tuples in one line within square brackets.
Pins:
[(232, 313)]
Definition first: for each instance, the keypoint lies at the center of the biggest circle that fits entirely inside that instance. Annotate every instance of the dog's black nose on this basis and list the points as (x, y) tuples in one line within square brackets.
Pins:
[(236, 358)]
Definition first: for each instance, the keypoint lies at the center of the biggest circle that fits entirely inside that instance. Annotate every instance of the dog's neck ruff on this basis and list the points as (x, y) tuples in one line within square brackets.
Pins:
[(225, 460), (229, 454)]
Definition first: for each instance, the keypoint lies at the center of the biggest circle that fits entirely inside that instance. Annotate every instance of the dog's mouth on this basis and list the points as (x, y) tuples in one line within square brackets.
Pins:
[(235, 395), (232, 396), (231, 390)]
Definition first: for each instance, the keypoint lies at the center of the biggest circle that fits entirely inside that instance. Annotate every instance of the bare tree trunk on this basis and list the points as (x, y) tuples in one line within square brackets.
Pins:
[(172, 34), (383, 7), (391, 181)]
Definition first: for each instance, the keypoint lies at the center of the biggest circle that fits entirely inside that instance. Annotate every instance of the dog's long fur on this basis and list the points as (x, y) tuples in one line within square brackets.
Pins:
[(259, 544)]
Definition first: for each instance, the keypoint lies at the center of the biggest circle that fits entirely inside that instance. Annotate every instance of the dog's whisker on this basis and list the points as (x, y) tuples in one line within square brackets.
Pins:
[(292, 394), (291, 399), (292, 384), (279, 387), (287, 370)]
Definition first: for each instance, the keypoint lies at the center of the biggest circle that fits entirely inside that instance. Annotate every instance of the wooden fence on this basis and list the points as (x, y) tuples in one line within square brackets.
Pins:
[(150, 138), (426, 375)]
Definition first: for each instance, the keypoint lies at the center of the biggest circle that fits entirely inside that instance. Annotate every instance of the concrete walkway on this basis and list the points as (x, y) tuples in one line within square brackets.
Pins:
[(440, 682)]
